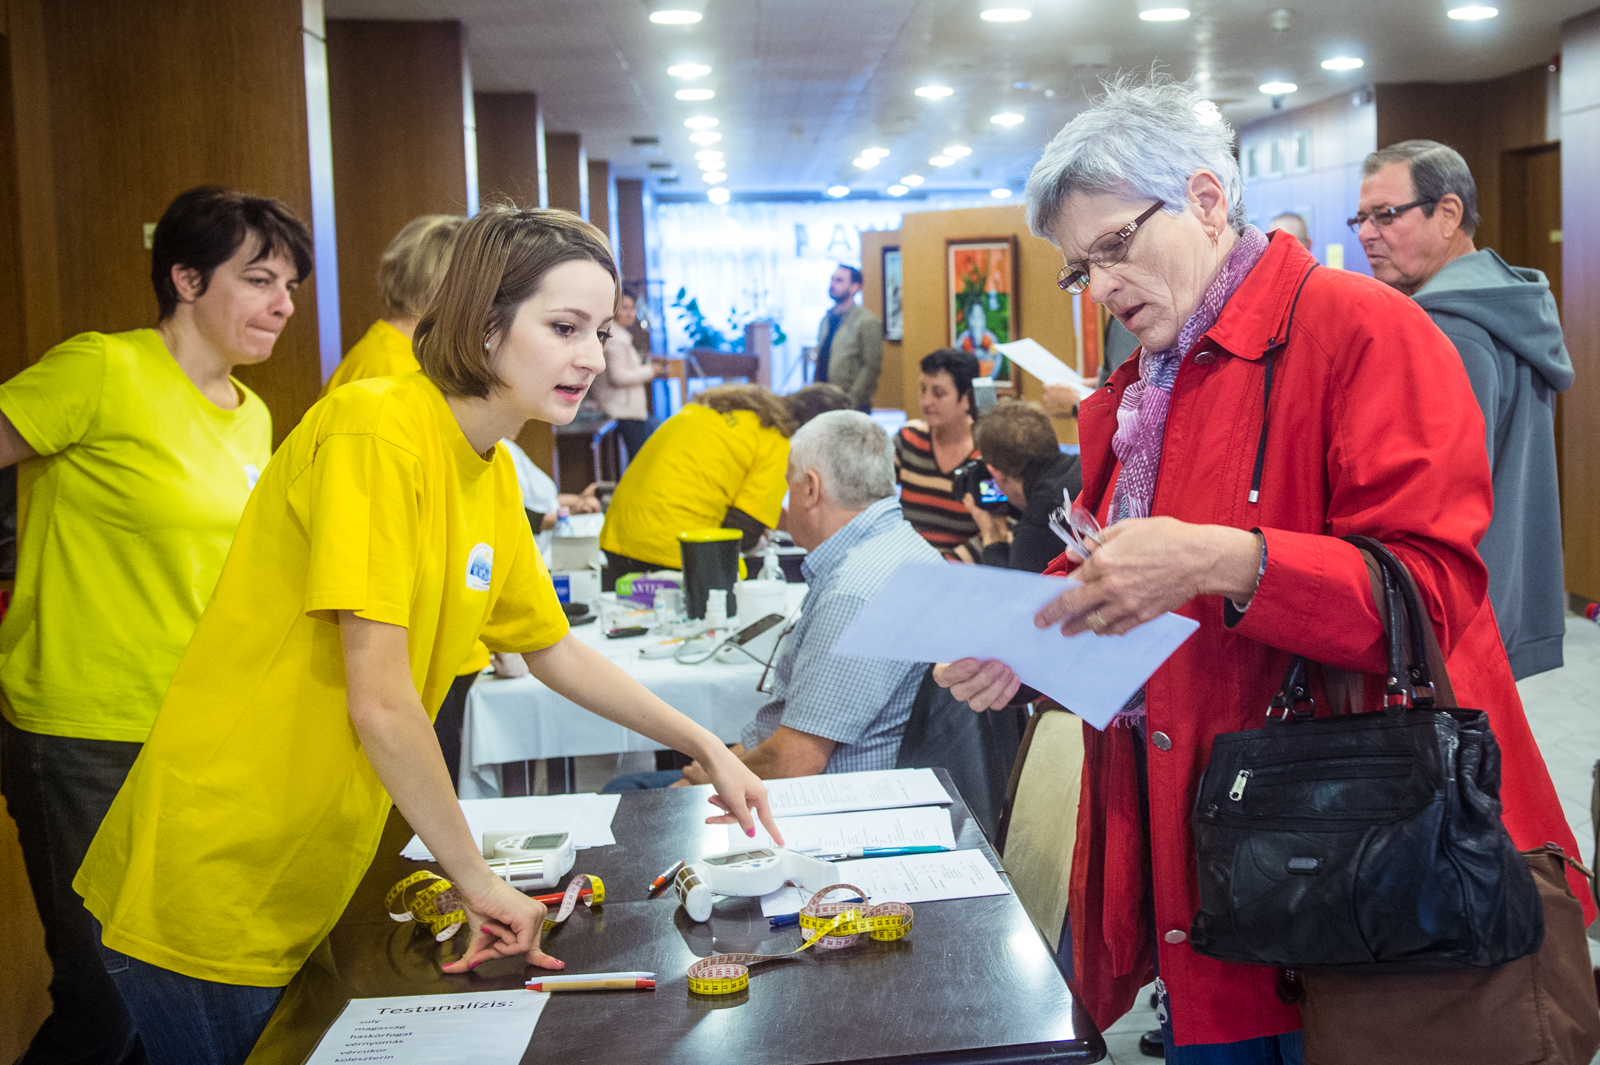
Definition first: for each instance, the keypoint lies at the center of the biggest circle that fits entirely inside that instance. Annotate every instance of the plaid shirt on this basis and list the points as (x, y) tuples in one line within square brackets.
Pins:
[(862, 704)]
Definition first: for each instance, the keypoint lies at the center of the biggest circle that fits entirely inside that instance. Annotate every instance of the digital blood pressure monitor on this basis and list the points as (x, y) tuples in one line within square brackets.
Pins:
[(747, 872), (529, 860)]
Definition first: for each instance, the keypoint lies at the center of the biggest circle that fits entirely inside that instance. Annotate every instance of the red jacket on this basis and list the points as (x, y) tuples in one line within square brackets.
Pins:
[(1374, 430)]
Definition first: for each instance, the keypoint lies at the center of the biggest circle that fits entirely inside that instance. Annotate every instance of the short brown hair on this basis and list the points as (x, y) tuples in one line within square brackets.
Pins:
[(1014, 433), (813, 400), (772, 411), (501, 255), (415, 263)]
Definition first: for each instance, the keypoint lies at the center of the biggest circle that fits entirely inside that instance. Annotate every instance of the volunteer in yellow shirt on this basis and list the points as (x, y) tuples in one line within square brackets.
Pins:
[(718, 463), (384, 537), (138, 451)]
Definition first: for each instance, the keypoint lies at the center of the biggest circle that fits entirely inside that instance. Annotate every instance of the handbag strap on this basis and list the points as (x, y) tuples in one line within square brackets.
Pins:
[(1429, 676)]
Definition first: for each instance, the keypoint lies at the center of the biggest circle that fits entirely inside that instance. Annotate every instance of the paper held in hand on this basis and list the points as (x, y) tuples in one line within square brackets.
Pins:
[(1031, 356), (942, 612)]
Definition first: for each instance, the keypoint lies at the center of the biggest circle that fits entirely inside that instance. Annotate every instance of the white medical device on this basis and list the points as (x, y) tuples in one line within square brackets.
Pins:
[(529, 860), (747, 872)]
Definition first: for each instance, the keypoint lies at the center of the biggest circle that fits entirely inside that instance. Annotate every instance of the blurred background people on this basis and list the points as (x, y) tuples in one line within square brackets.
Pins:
[(849, 341), (1019, 449), (621, 391), (1294, 225), (928, 449)]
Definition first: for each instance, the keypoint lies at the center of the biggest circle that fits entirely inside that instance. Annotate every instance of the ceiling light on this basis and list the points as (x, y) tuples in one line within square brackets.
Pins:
[(1006, 14), (1279, 88), (941, 160), (1006, 118), (957, 151), (708, 153), (1000, 194), (911, 179), (864, 163), (1163, 10), (1473, 12), (1342, 62), (673, 17), (701, 122), (710, 164), (694, 94), (935, 92), (718, 196), (714, 176), (874, 153), (705, 137), (688, 70), (837, 191), (897, 190)]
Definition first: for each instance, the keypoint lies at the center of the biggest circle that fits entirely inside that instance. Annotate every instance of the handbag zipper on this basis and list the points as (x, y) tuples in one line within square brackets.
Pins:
[(1237, 792)]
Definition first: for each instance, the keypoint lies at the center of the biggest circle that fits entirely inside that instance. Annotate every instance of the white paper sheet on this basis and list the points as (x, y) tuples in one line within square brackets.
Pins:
[(480, 1028), (940, 612), (830, 793), (910, 879), (914, 826), (587, 817), (1032, 356)]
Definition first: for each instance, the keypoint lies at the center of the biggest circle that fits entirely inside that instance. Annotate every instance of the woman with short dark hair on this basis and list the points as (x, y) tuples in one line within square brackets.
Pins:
[(386, 535), (138, 451), (927, 451)]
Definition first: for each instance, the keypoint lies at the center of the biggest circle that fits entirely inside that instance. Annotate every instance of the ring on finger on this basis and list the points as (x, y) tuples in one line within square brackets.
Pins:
[(1097, 620)]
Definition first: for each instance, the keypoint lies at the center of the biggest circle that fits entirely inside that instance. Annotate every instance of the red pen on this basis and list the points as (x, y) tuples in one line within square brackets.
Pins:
[(552, 899)]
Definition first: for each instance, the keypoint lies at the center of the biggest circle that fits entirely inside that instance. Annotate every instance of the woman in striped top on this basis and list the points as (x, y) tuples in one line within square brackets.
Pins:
[(925, 452)]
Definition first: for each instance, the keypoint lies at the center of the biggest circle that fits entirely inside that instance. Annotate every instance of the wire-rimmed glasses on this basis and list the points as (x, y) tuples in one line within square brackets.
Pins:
[(1077, 527), (1384, 216), (1107, 250), (762, 685)]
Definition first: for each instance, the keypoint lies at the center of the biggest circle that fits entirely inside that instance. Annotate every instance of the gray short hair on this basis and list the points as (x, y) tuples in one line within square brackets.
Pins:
[(1437, 170), (852, 455), (1145, 137)]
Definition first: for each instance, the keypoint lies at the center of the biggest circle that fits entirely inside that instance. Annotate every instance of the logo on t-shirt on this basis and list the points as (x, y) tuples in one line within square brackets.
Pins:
[(480, 567), (251, 475)]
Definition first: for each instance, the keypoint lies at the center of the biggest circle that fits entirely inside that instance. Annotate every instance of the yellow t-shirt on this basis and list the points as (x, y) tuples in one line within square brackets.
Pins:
[(125, 519), (383, 352), (252, 813), (695, 466)]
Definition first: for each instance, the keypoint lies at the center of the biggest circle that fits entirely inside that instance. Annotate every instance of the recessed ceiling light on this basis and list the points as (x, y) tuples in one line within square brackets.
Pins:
[(1162, 11), (874, 153), (957, 151), (714, 176), (688, 70), (1006, 14), (718, 196), (694, 94), (710, 164), (864, 163), (836, 191), (935, 92), (672, 17), (1473, 12), (705, 137), (1279, 88), (1000, 194), (941, 160), (708, 153), (912, 179), (1342, 62), (897, 190), (1006, 118), (701, 122)]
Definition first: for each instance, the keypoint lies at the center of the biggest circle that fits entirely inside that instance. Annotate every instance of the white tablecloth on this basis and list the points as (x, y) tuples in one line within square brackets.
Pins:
[(519, 720)]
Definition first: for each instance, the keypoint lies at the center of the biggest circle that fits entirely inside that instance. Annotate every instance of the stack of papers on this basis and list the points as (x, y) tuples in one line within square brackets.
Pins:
[(916, 826), (908, 879), (587, 817), (832, 793)]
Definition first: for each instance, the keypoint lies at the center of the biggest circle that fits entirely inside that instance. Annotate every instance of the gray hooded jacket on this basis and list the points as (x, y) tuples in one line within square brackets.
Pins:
[(1502, 319)]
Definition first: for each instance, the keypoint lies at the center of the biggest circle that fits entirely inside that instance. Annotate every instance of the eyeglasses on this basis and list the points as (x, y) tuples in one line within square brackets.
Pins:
[(1384, 216), (1077, 527), (762, 685), (1107, 250)]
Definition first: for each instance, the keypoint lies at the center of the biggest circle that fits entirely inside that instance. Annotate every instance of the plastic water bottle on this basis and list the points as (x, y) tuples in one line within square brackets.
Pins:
[(1592, 612), (563, 522), (771, 570)]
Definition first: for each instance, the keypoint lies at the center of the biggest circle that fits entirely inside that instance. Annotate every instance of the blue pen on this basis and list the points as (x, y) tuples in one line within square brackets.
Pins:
[(789, 920), (881, 852)]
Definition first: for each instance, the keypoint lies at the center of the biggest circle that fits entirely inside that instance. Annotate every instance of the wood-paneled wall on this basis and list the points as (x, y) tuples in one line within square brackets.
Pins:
[(118, 106), (891, 385), (1044, 312), (603, 200), (396, 95), (1580, 263), (630, 231), (511, 162), (568, 170)]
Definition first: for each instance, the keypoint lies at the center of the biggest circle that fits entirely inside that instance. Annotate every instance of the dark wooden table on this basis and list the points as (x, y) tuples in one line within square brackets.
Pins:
[(973, 982)]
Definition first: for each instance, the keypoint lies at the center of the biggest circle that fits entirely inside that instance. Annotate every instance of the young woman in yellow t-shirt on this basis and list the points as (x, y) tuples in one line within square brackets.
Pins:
[(137, 454), (385, 536)]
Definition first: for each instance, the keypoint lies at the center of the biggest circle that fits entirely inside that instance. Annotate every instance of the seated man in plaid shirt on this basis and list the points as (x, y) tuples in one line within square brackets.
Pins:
[(837, 713)]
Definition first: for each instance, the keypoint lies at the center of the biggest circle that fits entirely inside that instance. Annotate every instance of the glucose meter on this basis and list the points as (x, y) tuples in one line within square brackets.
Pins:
[(529, 860), (747, 872)]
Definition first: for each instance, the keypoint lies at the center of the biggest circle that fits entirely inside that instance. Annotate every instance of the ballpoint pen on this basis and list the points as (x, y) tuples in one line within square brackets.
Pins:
[(665, 878), (880, 852)]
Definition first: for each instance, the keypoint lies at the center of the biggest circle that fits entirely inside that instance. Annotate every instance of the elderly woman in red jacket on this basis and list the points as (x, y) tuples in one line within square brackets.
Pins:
[(1273, 408)]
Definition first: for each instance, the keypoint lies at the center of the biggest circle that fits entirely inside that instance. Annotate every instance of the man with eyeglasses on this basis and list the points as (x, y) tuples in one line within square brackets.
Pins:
[(1416, 219)]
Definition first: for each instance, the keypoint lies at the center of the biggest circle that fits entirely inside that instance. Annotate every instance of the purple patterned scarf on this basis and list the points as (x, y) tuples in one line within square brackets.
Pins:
[(1142, 415)]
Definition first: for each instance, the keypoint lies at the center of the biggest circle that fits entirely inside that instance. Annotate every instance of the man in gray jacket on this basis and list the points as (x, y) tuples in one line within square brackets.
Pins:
[(1416, 219), (849, 342)]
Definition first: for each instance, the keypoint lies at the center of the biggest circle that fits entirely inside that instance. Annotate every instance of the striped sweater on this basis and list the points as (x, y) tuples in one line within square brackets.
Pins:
[(927, 498)]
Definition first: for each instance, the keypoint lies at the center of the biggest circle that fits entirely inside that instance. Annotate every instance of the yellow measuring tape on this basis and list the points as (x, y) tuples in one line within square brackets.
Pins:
[(432, 901), (825, 925)]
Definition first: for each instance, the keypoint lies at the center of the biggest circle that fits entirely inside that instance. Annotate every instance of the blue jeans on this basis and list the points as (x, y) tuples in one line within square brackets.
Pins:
[(185, 1021), (660, 778)]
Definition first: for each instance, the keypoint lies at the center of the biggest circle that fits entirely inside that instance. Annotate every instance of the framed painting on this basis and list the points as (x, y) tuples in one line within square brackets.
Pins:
[(981, 296), (893, 316)]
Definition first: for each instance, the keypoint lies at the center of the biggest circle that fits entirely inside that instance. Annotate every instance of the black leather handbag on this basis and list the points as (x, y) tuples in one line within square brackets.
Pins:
[(1366, 839)]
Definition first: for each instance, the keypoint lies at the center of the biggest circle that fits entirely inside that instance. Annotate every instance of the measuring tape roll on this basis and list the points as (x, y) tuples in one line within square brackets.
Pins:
[(826, 925), (431, 900)]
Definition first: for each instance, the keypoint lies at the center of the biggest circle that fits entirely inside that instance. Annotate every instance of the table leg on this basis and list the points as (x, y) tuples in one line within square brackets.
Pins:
[(562, 774)]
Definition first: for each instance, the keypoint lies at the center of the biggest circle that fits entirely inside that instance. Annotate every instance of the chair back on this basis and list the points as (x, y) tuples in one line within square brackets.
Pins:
[(1041, 822), (977, 749)]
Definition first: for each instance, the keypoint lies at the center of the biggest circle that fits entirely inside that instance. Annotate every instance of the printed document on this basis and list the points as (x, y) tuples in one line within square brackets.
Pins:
[(882, 789), (1031, 356), (587, 817), (941, 612), (480, 1028), (915, 826), (909, 879)]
